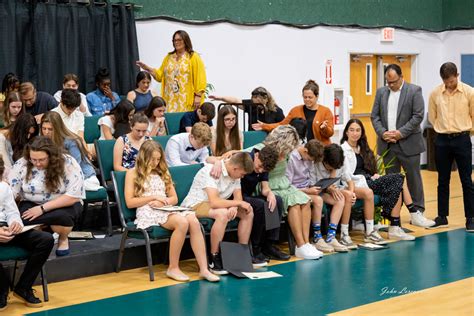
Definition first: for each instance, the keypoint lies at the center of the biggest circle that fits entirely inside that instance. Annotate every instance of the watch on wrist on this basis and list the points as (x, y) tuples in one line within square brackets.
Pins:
[(42, 209)]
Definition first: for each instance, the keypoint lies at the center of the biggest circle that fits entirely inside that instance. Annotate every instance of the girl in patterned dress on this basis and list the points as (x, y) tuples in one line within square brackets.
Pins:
[(149, 186), (127, 146)]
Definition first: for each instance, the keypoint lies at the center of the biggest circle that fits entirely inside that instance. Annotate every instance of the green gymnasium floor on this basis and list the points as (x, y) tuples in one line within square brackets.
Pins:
[(332, 284)]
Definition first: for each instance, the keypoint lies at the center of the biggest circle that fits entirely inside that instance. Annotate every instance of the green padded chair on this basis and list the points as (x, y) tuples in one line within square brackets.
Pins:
[(172, 122), (105, 157), (91, 128), (162, 140), (252, 138), (13, 253), (127, 217)]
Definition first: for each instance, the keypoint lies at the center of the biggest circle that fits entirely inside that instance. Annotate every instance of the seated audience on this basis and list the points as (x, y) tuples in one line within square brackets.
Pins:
[(114, 123), (37, 243), (209, 197), (226, 136), (149, 186), (142, 95), (71, 81), (205, 114), (49, 186), (102, 100), (36, 102), (13, 107), (301, 127), (189, 148), (263, 240), (296, 204), (156, 116), (261, 107), (319, 119), (53, 127), (300, 172), (391, 188), (10, 83), (127, 146)]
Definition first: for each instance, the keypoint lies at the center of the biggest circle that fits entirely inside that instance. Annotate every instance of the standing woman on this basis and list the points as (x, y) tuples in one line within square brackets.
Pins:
[(13, 108), (142, 95), (261, 107), (182, 75), (127, 146), (156, 116), (50, 186), (226, 136), (149, 186), (319, 119), (52, 126)]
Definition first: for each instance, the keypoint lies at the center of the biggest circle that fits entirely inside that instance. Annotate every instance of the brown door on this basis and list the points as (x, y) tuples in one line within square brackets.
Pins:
[(363, 70)]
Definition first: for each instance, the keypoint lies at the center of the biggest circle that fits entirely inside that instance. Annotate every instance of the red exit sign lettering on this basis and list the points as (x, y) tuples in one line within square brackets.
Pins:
[(388, 34)]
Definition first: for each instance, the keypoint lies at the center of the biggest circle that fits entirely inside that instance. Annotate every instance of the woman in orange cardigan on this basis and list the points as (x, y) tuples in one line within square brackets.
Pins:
[(318, 117)]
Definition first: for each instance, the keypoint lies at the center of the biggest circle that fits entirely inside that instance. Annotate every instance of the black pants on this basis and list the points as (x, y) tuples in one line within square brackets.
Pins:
[(259, 233), (457, 148), (39, 245)]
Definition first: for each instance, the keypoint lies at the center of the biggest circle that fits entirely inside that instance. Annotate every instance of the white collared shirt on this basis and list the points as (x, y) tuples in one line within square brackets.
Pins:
[(392, 108), (177, 155), (225, 185), (74, 122)]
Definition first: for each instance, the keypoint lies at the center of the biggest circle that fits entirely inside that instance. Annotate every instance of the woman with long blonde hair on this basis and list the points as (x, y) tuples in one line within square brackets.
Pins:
[(148, 186)]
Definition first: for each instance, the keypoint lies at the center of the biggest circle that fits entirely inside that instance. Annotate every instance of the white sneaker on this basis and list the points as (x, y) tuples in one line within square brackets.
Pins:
[(337, 246), (418, 219), (307, 252), (347, 241), (375, 238), (322, 246), (397, 233)]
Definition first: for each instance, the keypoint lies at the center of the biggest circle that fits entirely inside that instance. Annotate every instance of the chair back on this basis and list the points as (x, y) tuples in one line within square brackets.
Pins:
[(91, 128), (105, 156), (183, 177), (162, 140), (252, 138), (172, 122), (126, 214)]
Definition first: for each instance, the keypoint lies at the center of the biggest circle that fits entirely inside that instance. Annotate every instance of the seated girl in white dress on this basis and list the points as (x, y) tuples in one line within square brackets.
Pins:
[(149, 186)]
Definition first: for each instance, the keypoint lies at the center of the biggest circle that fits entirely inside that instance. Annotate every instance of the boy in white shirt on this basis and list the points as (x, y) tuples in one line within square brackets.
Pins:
[(209, 197)]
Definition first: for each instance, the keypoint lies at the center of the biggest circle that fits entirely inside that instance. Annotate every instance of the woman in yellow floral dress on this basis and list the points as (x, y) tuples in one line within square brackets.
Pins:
[(182, 75)]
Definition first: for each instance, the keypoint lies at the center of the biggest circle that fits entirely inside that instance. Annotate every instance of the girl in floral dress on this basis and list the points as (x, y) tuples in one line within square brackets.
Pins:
[(149, 186)]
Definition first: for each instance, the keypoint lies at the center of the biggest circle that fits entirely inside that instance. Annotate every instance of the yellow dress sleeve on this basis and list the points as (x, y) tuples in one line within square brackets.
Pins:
[(159, 72), (198, 74)]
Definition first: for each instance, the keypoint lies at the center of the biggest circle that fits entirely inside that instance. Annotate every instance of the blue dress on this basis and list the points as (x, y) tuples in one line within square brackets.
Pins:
[(142, 100)]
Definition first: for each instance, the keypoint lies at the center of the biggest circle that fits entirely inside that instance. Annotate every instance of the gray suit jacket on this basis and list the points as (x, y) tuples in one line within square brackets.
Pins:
[(411, 110)]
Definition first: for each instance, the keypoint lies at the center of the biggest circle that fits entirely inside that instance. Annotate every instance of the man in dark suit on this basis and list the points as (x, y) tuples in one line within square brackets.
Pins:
[(396, 116)]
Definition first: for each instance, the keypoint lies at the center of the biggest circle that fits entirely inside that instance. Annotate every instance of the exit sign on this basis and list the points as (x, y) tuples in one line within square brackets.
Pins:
[(388, 34)]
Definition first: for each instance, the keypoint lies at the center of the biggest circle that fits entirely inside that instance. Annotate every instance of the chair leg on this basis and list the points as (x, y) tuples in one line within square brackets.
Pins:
[(121, 250), (109, 217), (148, 255), (82, 218), (291, 240), (44, 282), (12, 281)]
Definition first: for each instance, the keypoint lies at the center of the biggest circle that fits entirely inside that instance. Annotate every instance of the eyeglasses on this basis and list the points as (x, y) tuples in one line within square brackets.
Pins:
[(177, 40), (230, 119), (391, 83), (37, 161)]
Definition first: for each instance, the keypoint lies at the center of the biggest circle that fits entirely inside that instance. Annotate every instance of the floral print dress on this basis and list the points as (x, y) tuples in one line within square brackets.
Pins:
[(129, 155)]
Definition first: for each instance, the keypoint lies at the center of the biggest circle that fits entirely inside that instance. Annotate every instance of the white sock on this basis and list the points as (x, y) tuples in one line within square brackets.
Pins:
[(344, 229), (369, 226)]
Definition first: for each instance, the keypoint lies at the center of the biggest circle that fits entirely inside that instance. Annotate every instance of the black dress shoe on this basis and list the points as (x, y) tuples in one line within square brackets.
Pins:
[(470, 224), (28, 296), (440, 221), (274, 253), (3, 301)]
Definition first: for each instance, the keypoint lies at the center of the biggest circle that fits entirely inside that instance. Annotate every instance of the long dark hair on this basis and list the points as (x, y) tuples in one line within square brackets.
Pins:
[(188, 46), (234, 135), (156, 102), (56, 161), (19, 135), (9, 82), (122, 111), (370, 164)]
